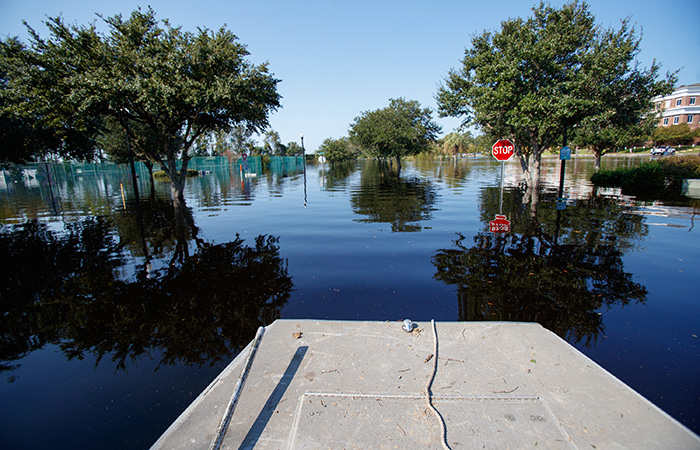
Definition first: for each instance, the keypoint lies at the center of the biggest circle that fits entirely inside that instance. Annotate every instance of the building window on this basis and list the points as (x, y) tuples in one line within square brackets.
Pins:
[(665, 120), (690, 118), (675, 120), (692, 100), (679, 101)]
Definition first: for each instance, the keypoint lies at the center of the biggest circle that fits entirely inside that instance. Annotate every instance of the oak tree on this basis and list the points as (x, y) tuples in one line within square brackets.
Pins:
[(179, 84), (401, 129), (337, 150), (536, 78)]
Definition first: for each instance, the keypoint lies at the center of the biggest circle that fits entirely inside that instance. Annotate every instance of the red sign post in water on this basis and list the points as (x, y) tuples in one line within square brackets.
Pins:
[(503, 149)]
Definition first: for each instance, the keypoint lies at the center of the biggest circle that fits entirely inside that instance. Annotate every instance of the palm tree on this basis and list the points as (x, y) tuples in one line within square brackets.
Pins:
[(456, 143)]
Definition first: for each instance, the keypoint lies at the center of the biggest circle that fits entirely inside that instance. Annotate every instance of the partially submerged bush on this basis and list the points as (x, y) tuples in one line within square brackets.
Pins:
[(658, 179), (679, 168), (646, 180), (607, 178)]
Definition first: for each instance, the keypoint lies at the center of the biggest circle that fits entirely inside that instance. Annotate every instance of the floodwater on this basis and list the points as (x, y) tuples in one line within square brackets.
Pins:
[(116, 313)]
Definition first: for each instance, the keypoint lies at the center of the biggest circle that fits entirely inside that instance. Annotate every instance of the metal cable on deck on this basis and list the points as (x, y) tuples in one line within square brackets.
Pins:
[(223, 426), (429, 400)]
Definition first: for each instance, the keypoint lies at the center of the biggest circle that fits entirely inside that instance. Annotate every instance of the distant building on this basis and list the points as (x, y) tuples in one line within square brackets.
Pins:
[(681, 106)]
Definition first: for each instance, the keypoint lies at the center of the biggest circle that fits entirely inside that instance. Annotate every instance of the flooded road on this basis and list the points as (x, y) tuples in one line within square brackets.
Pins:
[(116, 313)]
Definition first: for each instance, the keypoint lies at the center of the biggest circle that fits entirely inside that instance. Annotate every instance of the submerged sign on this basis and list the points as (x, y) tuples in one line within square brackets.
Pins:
[(499, 225)]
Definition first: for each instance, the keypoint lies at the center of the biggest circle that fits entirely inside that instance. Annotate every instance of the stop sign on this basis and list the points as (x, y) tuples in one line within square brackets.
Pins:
[(499, 225), (503, 149)]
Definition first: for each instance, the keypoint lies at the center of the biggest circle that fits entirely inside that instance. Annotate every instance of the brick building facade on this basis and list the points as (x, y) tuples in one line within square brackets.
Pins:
[(681, 106)]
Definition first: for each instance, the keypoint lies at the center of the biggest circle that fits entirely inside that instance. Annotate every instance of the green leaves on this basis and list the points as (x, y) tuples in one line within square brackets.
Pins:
[(456, 143), (337, 150), (402, 128), (535, 78), (34, 119), (674, 135), (176, 85)]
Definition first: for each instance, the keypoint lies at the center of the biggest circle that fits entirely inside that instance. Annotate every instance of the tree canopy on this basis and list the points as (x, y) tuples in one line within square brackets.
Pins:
[(605, 132), (623, 95), (181, 85), (674, 135), (272, 144), (456, 143), (403, 128), (34, 119), (337, 150), (534, 79)]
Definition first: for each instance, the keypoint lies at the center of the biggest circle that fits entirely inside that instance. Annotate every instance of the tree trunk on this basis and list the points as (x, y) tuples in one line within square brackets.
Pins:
[(149, 166), (177, 179), (598, 157), (398, 165), (531, 170), (176, 192)]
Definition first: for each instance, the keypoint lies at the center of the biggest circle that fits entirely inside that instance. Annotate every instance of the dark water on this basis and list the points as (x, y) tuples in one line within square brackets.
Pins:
[(117, 313)]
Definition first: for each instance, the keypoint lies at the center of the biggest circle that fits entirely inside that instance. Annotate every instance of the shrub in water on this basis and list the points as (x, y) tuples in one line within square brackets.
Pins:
[(608, 178), (657, 179), (646, 180), (678, 169)]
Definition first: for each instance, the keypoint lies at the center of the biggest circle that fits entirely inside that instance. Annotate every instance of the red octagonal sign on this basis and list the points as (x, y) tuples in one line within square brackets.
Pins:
[(503, 149)]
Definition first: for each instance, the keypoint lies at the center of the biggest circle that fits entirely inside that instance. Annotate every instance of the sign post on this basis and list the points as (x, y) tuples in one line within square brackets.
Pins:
[(502, 150), (564, 154)]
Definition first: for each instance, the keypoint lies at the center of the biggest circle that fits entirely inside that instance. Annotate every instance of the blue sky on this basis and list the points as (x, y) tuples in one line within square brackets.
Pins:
[(337, 59)]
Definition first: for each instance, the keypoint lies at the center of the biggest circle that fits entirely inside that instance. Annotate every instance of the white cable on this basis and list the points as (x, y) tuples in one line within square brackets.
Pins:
[(443, 429), (223, 426)]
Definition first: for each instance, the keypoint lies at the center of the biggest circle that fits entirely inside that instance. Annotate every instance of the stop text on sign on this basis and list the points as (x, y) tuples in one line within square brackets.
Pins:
[(503, 149)]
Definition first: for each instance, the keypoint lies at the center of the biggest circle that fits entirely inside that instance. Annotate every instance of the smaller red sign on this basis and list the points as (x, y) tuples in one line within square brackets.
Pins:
[(499, 225), (244, 156)]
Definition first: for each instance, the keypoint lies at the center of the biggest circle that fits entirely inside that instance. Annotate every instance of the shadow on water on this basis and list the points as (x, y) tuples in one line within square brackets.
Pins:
[(557, 268), (137, 281)]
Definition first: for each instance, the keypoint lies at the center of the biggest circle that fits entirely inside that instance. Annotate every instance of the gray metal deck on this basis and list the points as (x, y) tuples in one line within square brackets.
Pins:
[(362, 385)]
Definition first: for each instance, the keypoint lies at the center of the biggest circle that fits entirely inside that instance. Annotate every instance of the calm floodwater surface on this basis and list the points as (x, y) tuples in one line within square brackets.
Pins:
[(117, 313)]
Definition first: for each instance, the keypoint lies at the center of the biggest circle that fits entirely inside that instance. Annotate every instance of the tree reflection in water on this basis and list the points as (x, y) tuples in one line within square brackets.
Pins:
[(188, 301), (548, 272), (383, 196)]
